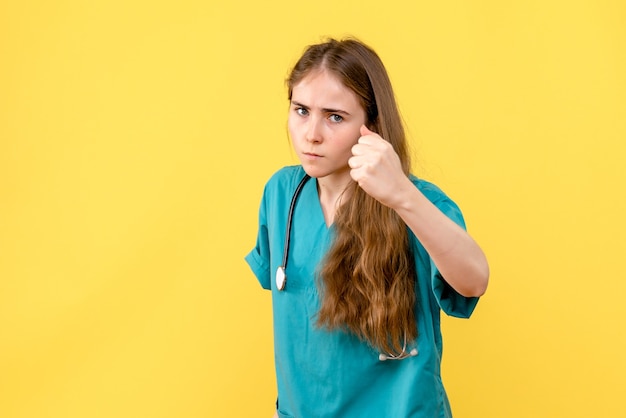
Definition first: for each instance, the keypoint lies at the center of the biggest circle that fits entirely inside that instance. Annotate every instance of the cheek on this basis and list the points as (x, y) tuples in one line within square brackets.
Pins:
[(349, 139)]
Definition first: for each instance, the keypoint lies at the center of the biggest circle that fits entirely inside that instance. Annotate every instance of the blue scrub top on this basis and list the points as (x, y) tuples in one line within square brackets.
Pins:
[(323, 373)]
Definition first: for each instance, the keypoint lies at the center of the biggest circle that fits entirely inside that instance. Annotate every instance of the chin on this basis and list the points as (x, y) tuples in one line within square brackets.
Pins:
[(318, 172), (313, 172)]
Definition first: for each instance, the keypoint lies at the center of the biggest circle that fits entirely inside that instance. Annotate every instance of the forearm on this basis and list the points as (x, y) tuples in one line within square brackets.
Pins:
[(459, 258)]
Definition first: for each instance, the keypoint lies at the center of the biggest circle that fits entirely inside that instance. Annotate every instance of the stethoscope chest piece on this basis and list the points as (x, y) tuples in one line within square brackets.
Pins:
[(281, 278)]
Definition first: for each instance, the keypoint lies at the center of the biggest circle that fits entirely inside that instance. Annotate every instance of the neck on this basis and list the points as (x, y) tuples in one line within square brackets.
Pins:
[(332, 194)]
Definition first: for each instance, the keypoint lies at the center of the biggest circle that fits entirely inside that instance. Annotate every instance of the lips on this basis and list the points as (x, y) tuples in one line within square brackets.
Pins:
[(312, 155)]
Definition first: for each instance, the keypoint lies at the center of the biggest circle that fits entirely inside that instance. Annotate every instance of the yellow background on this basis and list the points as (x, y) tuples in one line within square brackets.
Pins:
[(135, 139)]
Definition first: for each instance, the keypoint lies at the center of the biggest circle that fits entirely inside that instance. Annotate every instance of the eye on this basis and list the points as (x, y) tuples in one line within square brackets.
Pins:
[(301, 111), (335, 118)]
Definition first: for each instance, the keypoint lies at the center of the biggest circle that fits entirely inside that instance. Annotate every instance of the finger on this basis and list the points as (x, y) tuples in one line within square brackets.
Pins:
[(354, 162), (365, 131), (356, 175), (364, 140), (372, 139), (360, 148)]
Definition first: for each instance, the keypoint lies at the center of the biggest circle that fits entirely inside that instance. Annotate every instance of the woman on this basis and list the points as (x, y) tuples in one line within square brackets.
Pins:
[(371, 256)]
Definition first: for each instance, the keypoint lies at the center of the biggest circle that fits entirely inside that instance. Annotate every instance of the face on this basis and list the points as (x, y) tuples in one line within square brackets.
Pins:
[(324, 122)]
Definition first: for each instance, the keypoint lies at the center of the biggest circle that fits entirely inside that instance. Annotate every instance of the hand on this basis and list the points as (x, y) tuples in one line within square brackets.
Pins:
[(376, 167)]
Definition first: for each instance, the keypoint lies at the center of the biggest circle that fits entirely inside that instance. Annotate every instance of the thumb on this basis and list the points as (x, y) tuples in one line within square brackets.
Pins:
[(366, 131)]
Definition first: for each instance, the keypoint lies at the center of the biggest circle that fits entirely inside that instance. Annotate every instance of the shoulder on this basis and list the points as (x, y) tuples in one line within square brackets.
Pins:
[(285, 179), (430, 190), (439, 198), (287, 174)]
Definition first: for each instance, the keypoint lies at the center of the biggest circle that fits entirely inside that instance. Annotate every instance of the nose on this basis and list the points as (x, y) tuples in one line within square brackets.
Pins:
[(314, 130)]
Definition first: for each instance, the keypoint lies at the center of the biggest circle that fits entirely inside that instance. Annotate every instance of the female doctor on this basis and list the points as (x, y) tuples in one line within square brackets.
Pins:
[(360, 255)]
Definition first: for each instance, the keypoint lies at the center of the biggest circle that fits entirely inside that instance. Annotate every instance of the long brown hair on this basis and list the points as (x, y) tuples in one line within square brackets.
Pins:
[(367, 279)]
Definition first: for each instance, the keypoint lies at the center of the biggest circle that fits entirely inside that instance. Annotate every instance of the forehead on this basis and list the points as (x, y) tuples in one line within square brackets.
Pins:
[(321, 88)]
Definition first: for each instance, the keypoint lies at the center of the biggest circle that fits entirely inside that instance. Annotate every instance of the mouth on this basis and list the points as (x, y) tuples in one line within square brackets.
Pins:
[(311, 155)]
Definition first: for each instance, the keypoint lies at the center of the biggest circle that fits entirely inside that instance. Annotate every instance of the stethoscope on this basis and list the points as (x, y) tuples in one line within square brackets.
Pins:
[(281, 275)]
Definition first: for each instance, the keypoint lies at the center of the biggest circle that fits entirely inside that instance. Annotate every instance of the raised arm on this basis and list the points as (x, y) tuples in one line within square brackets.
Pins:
[(376, 168)]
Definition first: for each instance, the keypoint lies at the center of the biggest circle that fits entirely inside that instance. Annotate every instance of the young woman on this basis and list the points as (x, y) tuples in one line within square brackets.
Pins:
[(359, 254)]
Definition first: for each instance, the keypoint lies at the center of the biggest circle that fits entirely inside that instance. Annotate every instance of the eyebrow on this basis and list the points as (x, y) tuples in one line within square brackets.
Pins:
[(325, 110)]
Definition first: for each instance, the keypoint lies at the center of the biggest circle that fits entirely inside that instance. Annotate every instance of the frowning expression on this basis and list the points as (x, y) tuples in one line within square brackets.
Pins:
[(324, 121)]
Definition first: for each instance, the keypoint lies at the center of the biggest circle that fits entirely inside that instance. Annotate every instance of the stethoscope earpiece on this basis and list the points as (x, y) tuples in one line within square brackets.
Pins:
[(401, 356)]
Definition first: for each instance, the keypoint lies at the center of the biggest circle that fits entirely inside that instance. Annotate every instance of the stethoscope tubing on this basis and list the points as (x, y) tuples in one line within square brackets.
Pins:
[(283, 267)]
